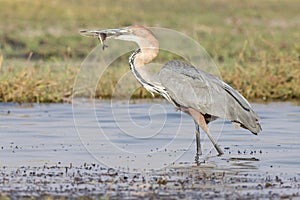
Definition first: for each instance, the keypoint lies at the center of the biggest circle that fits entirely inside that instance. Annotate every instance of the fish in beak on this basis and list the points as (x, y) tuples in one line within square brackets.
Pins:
[(142, 36), (102, 35)]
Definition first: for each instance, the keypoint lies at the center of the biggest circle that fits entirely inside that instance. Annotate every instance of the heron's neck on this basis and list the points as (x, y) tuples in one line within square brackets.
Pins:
[(136, 61)]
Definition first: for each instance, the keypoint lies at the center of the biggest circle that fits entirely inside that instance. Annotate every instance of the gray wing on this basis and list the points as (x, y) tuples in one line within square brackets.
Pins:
[(191, 87)]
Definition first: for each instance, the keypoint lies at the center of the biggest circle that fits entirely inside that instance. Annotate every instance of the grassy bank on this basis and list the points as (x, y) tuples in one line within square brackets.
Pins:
[(255, 44)]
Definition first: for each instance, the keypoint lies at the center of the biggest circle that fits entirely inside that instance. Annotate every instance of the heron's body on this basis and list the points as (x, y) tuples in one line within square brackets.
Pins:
[(191, 90), (207, 94)]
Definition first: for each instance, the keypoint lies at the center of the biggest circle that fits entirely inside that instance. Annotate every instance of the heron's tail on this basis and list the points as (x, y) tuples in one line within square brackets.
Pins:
[(249, 122)]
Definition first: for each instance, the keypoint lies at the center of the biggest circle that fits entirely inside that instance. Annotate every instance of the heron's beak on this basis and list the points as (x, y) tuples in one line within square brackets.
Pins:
[(103, 34)]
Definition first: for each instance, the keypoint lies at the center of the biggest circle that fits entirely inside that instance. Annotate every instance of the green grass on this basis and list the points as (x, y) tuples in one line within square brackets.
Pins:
[(256, 44)]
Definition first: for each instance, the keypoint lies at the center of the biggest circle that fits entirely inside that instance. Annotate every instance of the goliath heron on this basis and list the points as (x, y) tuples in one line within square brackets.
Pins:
[(190, 90)]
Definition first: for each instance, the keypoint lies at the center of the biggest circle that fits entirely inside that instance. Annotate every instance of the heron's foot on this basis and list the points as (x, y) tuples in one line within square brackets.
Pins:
[(220, 154), (219, 150), (198, 159)]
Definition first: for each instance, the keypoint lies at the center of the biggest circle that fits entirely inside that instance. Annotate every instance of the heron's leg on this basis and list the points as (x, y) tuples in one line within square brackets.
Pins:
[(204, 127), (199, 151), (199, 118)]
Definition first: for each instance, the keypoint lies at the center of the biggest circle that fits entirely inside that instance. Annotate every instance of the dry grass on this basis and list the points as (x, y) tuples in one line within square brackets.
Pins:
[(255, 43), (269, 78), (37, 83)]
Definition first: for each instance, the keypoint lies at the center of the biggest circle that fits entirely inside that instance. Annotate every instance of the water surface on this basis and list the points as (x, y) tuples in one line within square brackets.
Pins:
[(151, 135)]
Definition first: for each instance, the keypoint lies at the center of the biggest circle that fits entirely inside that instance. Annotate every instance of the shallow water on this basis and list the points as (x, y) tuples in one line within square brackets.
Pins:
[(149, 136)]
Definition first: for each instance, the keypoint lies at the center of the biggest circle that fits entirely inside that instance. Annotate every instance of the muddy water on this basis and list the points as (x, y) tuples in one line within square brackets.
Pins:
[(144, 150)]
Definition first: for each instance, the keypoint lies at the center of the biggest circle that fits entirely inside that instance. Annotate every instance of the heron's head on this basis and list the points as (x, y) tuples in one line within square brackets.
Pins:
[(139, 34)]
